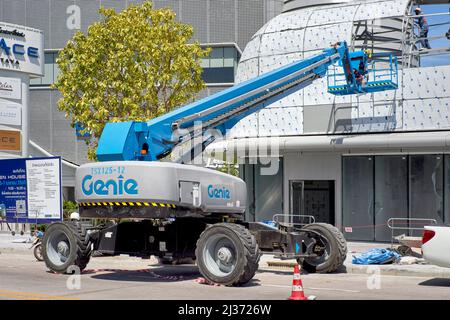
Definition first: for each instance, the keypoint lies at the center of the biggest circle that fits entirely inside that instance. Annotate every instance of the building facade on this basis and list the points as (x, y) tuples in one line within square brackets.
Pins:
[(353, 161), (224, 25)]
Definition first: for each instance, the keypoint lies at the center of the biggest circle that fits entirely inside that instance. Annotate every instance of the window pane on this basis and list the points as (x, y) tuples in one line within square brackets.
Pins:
[(35, 81), (204, 63), (426, 188), (229, 57), (391, 194), (447, 189), (48, 69), (246, 174), (357, 206), (268, 193), (218, 75), (216, 58)]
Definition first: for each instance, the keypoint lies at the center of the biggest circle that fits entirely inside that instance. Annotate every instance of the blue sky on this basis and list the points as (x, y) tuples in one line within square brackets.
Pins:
[(437, 31)]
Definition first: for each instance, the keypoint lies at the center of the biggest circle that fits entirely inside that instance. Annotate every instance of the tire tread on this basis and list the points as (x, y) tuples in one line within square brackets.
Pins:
[(251, 252)]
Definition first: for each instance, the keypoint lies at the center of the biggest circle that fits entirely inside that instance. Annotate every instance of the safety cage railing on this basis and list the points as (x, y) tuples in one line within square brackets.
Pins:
[(381, 74)]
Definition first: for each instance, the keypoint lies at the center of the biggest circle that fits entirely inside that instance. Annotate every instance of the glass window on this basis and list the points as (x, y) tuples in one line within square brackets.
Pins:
[(268, 193), (218, 75), (47, 79), (426, 188), (51, 71), (221, 65), (246, 174), (391, 193), (264, 192), (36, 81), (229, 55), (447, 190), (204, 63), (357, 206), (216, 58)]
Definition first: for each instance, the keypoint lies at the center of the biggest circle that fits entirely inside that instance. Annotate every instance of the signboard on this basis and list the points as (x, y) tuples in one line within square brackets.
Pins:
[(10, 88), (21, 49), (10, 140), (30, 190), (10, 114)]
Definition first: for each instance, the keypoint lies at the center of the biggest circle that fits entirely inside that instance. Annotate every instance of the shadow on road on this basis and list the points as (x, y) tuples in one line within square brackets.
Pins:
[(436, 282), (158, 274)]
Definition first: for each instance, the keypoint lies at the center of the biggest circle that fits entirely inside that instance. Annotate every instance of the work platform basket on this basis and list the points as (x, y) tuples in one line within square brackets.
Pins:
[(378, 75)]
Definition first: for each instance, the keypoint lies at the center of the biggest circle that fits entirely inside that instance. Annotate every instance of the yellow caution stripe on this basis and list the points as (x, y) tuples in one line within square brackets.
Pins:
[(337, 89), (127, 204), (379, 84)]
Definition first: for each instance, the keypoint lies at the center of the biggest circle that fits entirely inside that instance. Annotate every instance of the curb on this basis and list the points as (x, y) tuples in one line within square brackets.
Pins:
[(402, 271), (388, 270)]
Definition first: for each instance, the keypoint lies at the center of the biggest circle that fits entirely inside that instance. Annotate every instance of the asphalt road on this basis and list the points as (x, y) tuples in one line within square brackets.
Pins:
[(22, 277)]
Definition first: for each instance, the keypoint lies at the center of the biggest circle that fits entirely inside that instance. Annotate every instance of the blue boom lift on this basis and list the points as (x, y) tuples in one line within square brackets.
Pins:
[(182, 211)]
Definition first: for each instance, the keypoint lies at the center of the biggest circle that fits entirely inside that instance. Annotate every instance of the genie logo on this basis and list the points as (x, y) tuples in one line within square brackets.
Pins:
[(215, 192), (110, 187)]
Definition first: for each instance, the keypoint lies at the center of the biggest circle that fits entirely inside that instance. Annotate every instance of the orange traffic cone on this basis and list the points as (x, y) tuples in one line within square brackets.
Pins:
[(297, 286)]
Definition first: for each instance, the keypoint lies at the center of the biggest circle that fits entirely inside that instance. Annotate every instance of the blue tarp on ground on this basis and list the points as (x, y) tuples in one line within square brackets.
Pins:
[(376, 256)]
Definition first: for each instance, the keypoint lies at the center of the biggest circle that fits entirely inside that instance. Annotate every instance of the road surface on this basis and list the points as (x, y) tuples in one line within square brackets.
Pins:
[(22, 277)]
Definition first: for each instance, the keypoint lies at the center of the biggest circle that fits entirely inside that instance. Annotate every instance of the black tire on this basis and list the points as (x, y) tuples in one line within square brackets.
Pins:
[(38, 252), (333, 257), (73, 237), (242, 246)]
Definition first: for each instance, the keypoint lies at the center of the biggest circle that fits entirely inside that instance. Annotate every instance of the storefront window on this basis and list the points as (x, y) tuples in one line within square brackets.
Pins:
[(357, 182), (447, 190), (426, 187), (402, 186), (264, 192), (391, 193)]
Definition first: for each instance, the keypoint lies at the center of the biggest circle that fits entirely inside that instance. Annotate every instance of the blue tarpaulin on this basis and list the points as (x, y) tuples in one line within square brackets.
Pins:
[(376, 256), (270, 223)]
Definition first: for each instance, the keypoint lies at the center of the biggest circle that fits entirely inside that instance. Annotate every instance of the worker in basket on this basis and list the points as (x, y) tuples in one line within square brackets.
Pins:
[(359, 79)]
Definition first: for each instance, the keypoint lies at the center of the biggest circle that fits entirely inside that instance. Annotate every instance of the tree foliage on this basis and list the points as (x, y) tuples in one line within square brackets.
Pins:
[(132, 65)]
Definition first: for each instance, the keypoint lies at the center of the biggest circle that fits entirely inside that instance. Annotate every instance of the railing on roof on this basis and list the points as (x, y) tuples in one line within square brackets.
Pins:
[(411, 41), (379, 35)]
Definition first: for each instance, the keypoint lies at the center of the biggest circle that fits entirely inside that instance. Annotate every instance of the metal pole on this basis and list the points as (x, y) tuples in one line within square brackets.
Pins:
[(25, 114)]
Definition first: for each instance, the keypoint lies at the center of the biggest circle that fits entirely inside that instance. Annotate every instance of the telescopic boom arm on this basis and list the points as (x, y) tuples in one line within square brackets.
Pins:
[(155, 139)]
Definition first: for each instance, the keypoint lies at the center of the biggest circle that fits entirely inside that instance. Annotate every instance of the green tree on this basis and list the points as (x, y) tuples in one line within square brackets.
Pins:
[(132, 65)]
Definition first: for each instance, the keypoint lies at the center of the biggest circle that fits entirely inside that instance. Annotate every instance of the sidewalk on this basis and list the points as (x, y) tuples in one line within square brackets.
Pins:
[(356, 248), (17, 243)]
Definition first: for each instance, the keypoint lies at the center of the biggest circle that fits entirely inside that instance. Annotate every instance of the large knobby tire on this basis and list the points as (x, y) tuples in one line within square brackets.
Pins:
[(331, 249), (65, 244), (227, 254)]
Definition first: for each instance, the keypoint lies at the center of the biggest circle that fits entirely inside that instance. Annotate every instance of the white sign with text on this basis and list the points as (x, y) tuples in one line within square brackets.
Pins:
[(10, 88), (21, 49), (44, 188), (10, 114)]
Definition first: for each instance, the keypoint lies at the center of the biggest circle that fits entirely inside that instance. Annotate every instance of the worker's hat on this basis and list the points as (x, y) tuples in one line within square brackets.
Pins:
[(418, 9)]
